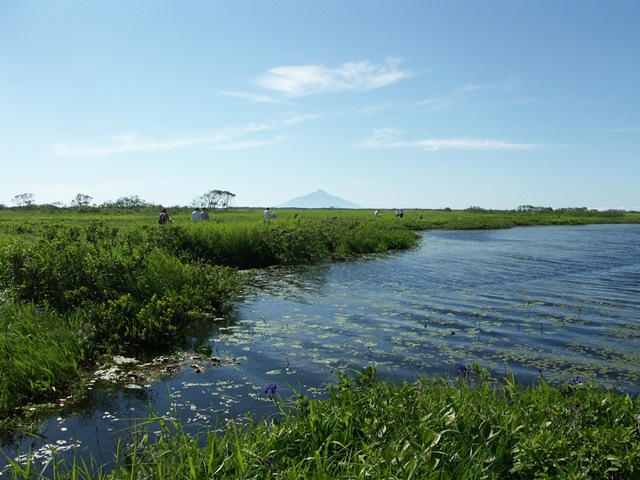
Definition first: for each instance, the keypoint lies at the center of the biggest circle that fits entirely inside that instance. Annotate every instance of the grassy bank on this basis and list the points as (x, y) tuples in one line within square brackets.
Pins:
[(34, 221), (76, 285), (431, 429), (118, 284)]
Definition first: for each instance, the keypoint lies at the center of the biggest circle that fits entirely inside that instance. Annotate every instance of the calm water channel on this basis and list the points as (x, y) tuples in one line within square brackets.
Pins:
[(561, 299)]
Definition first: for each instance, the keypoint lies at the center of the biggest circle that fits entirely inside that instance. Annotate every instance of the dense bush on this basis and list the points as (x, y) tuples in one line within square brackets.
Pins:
[(131, 287), (255, 245), (130, 293), (41, 353)]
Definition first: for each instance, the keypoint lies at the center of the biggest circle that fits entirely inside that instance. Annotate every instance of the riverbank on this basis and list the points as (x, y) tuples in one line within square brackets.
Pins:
[(89, 247), (94, 282), (86, 288), (33, 221), (468, 427)]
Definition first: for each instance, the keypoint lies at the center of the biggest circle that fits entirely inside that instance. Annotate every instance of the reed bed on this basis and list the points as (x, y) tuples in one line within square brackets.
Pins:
[(472, 427), (29, 366)]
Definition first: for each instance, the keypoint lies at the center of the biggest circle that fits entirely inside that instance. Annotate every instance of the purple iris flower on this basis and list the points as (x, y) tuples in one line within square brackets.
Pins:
[(271, 389)]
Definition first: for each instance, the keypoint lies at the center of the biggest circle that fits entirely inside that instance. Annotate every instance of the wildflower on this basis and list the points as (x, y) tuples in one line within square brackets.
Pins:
[(463, 371), (575, 381), (271, 463), (271, 390)]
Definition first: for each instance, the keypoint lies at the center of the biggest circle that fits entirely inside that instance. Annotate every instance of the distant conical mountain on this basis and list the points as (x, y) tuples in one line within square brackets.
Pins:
[(319, 199)]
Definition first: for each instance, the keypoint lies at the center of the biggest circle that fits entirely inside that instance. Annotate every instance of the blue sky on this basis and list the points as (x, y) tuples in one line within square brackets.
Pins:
[(389, 104)]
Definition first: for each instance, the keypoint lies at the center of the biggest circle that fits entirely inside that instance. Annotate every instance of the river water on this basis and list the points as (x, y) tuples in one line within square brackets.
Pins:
[(556, 299)]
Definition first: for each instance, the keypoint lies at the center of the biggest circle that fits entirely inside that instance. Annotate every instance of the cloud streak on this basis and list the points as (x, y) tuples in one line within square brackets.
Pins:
[(233, 138), (253, 97), (131, 143), (454, 98), (302, 80), (389, 139)]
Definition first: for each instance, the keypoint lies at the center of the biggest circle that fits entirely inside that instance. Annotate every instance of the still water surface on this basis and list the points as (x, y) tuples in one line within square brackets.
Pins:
[(561, 299)]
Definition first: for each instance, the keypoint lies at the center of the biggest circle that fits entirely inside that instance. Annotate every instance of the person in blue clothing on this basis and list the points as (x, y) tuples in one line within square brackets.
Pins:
[(164, 217)]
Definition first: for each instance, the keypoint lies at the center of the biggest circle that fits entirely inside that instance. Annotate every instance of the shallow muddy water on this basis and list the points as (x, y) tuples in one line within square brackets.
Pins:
[(560, 299)]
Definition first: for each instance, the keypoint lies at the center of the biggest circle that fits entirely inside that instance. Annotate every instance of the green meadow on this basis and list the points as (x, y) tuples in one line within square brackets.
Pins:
[(78, 285)]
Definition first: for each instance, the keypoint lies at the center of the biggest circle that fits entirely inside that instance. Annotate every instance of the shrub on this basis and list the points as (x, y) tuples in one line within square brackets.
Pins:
[(130, 293), (41, 353)]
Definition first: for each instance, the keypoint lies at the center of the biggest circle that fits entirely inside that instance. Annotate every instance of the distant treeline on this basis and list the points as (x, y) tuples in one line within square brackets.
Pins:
[(212, 199), (221, 199)]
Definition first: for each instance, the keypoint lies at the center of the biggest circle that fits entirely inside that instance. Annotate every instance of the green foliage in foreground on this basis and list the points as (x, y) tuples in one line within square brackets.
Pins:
[(367, 428), (132, 287), (127, 293), (40, 354), (75, 284)]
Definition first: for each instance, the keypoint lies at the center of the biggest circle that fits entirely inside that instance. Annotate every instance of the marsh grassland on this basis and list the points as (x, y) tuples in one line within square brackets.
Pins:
[(77, 286)]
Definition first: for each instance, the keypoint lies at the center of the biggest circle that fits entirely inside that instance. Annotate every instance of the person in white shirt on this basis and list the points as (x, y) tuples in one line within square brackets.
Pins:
[(195, 216)]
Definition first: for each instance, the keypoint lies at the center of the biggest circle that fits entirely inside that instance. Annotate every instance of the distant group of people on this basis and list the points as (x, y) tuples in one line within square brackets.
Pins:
[(202, 215), (399, 213), (267, 214), (199, 215)]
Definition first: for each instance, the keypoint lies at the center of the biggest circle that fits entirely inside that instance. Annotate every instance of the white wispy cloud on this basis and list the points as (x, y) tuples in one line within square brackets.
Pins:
[(453, 98), (130, 142), (389, 138), (247, 144), (253, 97), (232, 138), (302, 80), (296, 118)]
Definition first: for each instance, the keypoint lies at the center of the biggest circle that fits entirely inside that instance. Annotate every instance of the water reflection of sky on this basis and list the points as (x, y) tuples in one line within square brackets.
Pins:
[(515, 299), (563, 299)]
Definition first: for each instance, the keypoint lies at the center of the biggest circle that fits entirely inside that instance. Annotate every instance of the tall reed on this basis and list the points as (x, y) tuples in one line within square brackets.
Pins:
[(41, 354), (368, 428)]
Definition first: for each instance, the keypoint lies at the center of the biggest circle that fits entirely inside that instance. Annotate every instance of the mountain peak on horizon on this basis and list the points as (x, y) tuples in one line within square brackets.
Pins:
[(319, 199)]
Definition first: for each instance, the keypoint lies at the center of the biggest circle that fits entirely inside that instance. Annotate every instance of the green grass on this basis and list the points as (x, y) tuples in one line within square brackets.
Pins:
[(33, 221), (132, 287), (366, 428), (75, 284), (41, 354)]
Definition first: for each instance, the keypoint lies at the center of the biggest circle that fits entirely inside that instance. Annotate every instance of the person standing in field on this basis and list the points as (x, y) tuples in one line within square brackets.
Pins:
[(266, 214), (204, 216), (195, 215), (164, 217)]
